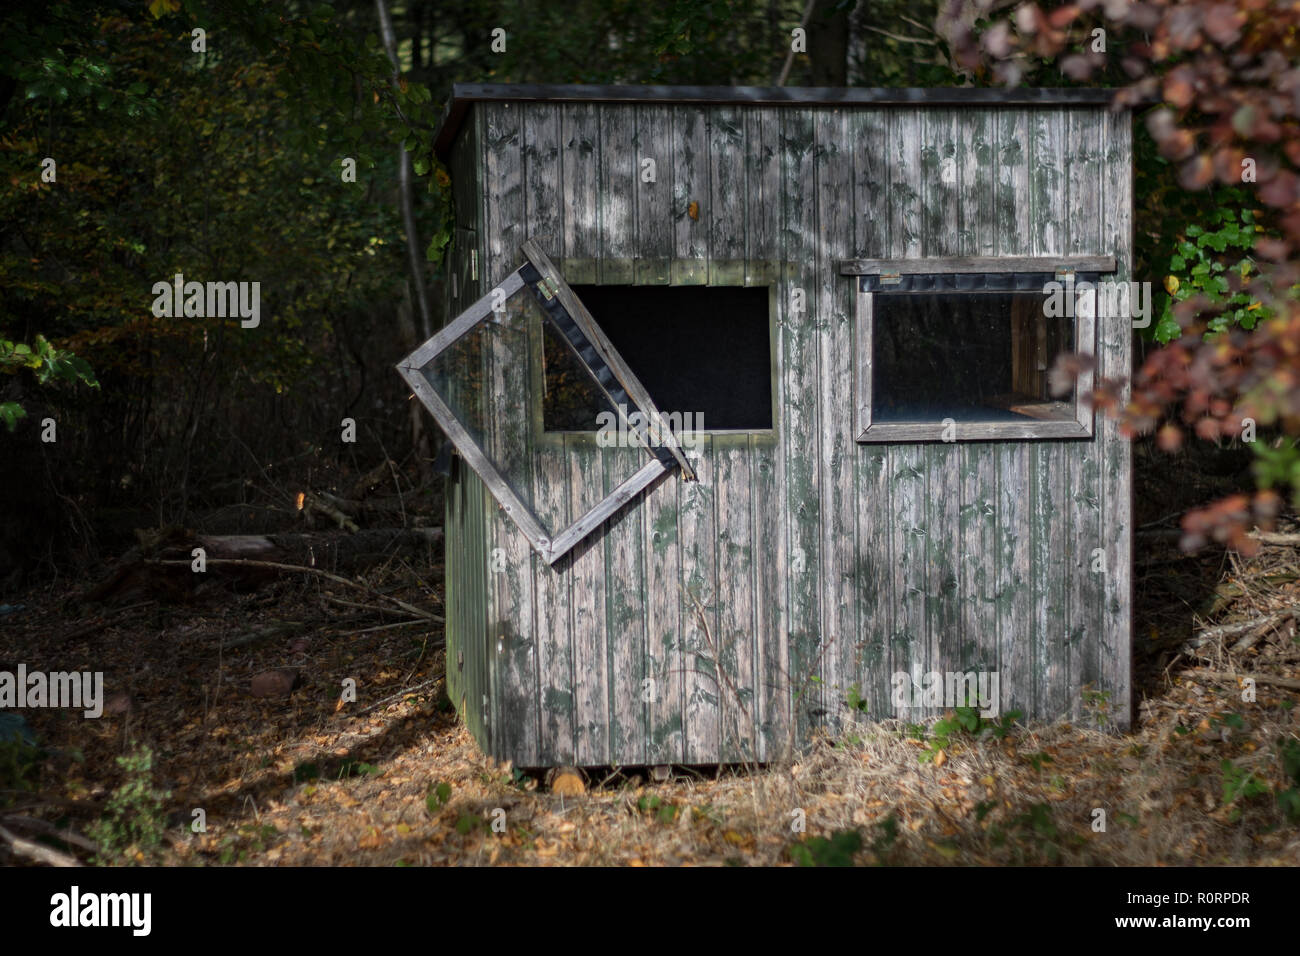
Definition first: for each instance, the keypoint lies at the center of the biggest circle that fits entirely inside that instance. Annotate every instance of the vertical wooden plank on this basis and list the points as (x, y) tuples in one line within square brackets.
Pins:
[(654, 200), (1046, 180), (663, 605), (1051, 463), (1015, 580), (698, 529), (555, 647), (1013, 585), (979, 513), (728, 184), (874, 577), (1011, 194), (874, 567), (690, 141), (772, 664), (976, 169), (799, 374), (543, 201), (478, 604), (978, 568), (872, 199), (764, 211), (941, 236), (476, 687), (665, 665), (513, 647), (908, 495), (617, 192), (736, 598), (1046, 496), (833, 166), (1085, 595), (905, 180), (762, 196), (625, 615), (453, 501), (941, 215), (1115, 338), (907, 463), (544, 221), (465, 169), (587, 607), (579, 137)]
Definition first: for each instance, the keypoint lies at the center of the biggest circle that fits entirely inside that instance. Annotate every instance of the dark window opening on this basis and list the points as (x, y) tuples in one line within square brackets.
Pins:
[(703, 354), (974, 357)]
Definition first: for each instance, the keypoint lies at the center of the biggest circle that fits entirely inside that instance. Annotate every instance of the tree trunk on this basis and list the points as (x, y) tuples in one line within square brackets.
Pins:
[(828, 44), (414, 257)]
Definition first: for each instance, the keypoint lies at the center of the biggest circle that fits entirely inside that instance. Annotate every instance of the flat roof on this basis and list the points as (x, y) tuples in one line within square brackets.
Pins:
[(465, 94)]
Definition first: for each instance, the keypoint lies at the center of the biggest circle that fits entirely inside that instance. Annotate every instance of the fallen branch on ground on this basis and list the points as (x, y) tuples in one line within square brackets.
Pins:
[(1252, 630), (311, 502), (49, 829), (299, 569), (37, 851), (275, 630), (400, 694), (1287, 682), (1276, 538)]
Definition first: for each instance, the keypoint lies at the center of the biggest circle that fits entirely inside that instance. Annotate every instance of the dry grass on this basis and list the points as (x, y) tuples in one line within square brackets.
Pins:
[(302, 782)]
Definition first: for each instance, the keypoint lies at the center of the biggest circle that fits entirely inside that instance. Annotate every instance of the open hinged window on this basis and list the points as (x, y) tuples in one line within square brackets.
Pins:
[(960, 349), (466, 376)]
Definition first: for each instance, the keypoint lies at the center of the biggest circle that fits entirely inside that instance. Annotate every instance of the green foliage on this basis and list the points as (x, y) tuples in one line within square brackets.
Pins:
[(1096, 703), (837, 850), (248, 839), (467, 823), (1288, 795), (962, 723), (130, 830), (661, 810), (437, 796), (1239, 786), (1207, 253), (885, 839), (49, 364), (1037, 823), (855, 700), (19, 768), (1039, 760)]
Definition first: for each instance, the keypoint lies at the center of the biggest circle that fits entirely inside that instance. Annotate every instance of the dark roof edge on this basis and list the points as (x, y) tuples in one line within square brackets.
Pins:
[(463, 94)]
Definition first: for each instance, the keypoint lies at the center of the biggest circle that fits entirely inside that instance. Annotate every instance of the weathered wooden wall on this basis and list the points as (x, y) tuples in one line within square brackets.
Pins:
[(802, 563), (467, 500)]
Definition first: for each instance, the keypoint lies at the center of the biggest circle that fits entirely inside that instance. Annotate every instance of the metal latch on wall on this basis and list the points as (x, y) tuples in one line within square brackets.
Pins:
[(1064, 272), (547, 286), (890, 278)]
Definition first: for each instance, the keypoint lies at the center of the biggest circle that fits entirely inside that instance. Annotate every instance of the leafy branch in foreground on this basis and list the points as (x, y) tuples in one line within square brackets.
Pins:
[(49, 364)]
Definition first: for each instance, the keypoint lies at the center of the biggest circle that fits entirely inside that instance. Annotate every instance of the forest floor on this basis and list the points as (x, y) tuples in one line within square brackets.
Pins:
[(1205, 777)]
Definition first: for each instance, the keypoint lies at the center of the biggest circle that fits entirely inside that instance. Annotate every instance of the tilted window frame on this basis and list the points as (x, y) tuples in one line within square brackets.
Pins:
[(570, 317), (974, 275)]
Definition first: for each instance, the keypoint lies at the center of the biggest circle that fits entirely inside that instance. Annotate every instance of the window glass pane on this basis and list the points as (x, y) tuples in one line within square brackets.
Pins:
[(702, 352), (973, 357), (573, 402)]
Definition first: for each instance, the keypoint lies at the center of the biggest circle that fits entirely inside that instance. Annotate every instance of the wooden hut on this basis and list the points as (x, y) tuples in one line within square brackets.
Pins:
[(752, 395)]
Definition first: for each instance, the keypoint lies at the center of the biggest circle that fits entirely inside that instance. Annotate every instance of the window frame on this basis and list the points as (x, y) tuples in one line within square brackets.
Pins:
[(539, 276), (875, 276)]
